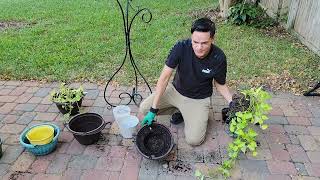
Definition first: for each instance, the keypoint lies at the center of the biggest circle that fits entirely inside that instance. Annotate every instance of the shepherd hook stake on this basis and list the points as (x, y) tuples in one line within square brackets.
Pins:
[(146, 17)]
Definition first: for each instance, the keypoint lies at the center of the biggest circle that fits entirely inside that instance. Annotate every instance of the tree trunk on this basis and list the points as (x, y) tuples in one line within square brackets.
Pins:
[(224, 7)]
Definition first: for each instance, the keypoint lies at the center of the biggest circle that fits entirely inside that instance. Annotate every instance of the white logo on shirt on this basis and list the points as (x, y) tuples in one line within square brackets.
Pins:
[(207, 71)]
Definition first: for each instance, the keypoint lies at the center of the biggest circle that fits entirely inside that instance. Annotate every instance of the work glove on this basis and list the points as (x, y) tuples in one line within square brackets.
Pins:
[(149, 117)]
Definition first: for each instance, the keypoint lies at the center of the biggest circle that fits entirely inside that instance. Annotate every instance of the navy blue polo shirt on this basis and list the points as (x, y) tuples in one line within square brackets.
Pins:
[(194, 76)]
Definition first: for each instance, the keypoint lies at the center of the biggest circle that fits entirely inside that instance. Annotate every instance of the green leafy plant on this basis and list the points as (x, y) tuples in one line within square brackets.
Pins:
[(67, 97), (245, 139), (251, 109), (250, 14), (243, 12)]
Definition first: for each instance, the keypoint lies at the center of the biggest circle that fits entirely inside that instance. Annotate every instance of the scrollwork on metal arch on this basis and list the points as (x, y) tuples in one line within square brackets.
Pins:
[(146, 17)]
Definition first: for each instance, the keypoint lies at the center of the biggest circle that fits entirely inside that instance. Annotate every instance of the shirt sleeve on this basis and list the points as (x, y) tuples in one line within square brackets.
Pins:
[(221, 74), (174, 56)]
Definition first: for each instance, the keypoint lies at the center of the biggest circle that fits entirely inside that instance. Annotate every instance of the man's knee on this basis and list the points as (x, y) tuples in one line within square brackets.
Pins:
[(194, 141), (144, 107)]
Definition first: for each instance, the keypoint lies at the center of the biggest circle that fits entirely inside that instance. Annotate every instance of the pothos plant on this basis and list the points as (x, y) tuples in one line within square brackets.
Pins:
[(68, 98), (250, 109)]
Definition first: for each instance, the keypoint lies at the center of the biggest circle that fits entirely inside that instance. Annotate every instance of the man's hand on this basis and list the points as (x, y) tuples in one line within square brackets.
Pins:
[(148, 118)]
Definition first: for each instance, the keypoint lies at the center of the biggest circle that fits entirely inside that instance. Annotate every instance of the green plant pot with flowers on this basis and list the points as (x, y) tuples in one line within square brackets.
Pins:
[(68, 100)]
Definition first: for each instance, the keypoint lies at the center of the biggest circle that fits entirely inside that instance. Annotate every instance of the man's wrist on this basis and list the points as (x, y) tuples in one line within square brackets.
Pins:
[(154, 110)]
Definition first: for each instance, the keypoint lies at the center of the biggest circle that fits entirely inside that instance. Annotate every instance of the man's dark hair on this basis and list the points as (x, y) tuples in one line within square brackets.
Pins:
[(204, 25)]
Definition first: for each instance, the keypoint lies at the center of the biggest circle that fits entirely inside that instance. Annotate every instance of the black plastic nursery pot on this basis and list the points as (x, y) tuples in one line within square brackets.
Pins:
[(224, 113), (64, 109), (86, 127), (155, 141)]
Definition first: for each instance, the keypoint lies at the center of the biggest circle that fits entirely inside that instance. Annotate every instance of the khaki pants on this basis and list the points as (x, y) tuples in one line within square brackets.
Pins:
[(194, 111)]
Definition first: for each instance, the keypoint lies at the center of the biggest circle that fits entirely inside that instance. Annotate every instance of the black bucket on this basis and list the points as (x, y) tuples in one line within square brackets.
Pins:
[(154, 141), (64, 109), (86, 127)]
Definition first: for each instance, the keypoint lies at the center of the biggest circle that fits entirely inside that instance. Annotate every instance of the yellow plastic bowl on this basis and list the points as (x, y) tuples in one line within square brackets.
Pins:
[(40, 135)]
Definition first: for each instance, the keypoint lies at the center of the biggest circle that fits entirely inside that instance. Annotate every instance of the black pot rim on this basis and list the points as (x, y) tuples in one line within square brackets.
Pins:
[(152, 157), (97, 130)]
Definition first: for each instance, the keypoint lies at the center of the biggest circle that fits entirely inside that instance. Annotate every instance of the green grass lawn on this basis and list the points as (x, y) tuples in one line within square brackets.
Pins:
[(71, 40)]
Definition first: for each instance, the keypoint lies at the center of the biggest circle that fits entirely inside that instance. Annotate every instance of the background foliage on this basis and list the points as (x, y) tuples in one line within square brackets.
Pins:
[(71, 40)]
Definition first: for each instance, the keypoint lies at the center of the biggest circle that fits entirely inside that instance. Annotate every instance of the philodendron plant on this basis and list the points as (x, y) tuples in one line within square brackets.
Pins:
[(251, 109), (67, 98)]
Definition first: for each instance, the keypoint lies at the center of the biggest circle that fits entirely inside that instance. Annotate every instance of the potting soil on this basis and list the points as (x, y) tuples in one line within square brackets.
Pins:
[(154, 141)]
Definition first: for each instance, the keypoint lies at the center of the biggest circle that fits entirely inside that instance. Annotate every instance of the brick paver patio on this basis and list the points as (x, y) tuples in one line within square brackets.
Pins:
[(289, 148)]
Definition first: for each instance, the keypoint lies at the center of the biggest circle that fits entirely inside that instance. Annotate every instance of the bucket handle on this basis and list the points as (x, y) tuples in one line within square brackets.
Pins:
[(89, 132), (98, 129)]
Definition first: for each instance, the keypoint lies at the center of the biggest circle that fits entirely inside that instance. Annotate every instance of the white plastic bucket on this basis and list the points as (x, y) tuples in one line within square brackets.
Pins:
[(120, 112), (127, 126)]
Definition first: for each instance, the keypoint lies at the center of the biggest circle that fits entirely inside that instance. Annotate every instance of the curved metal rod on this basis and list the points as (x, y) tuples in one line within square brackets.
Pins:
[(142, 17), (124, 22), (127, 27), (130, 53), (134, 69), (128, 44), (144, 79), (125, 93), (105, 89), (134, 9), (135, 66), (134, 98), (123, 61)]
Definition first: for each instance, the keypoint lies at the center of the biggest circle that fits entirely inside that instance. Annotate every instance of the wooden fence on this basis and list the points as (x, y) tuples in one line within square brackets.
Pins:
[(303, 19), (276, 8)]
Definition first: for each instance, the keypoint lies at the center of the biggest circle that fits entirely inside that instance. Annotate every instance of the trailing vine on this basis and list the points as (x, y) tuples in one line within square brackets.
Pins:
[(250, 109)]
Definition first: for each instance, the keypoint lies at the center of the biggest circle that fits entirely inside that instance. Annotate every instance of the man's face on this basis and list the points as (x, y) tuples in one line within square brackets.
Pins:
[(201, 43)]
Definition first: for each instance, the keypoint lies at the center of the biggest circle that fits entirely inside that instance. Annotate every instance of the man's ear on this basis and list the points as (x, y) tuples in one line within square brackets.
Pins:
[(213, 39)]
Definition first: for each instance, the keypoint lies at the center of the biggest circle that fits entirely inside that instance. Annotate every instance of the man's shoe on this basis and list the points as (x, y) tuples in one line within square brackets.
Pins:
[(176, 118)]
